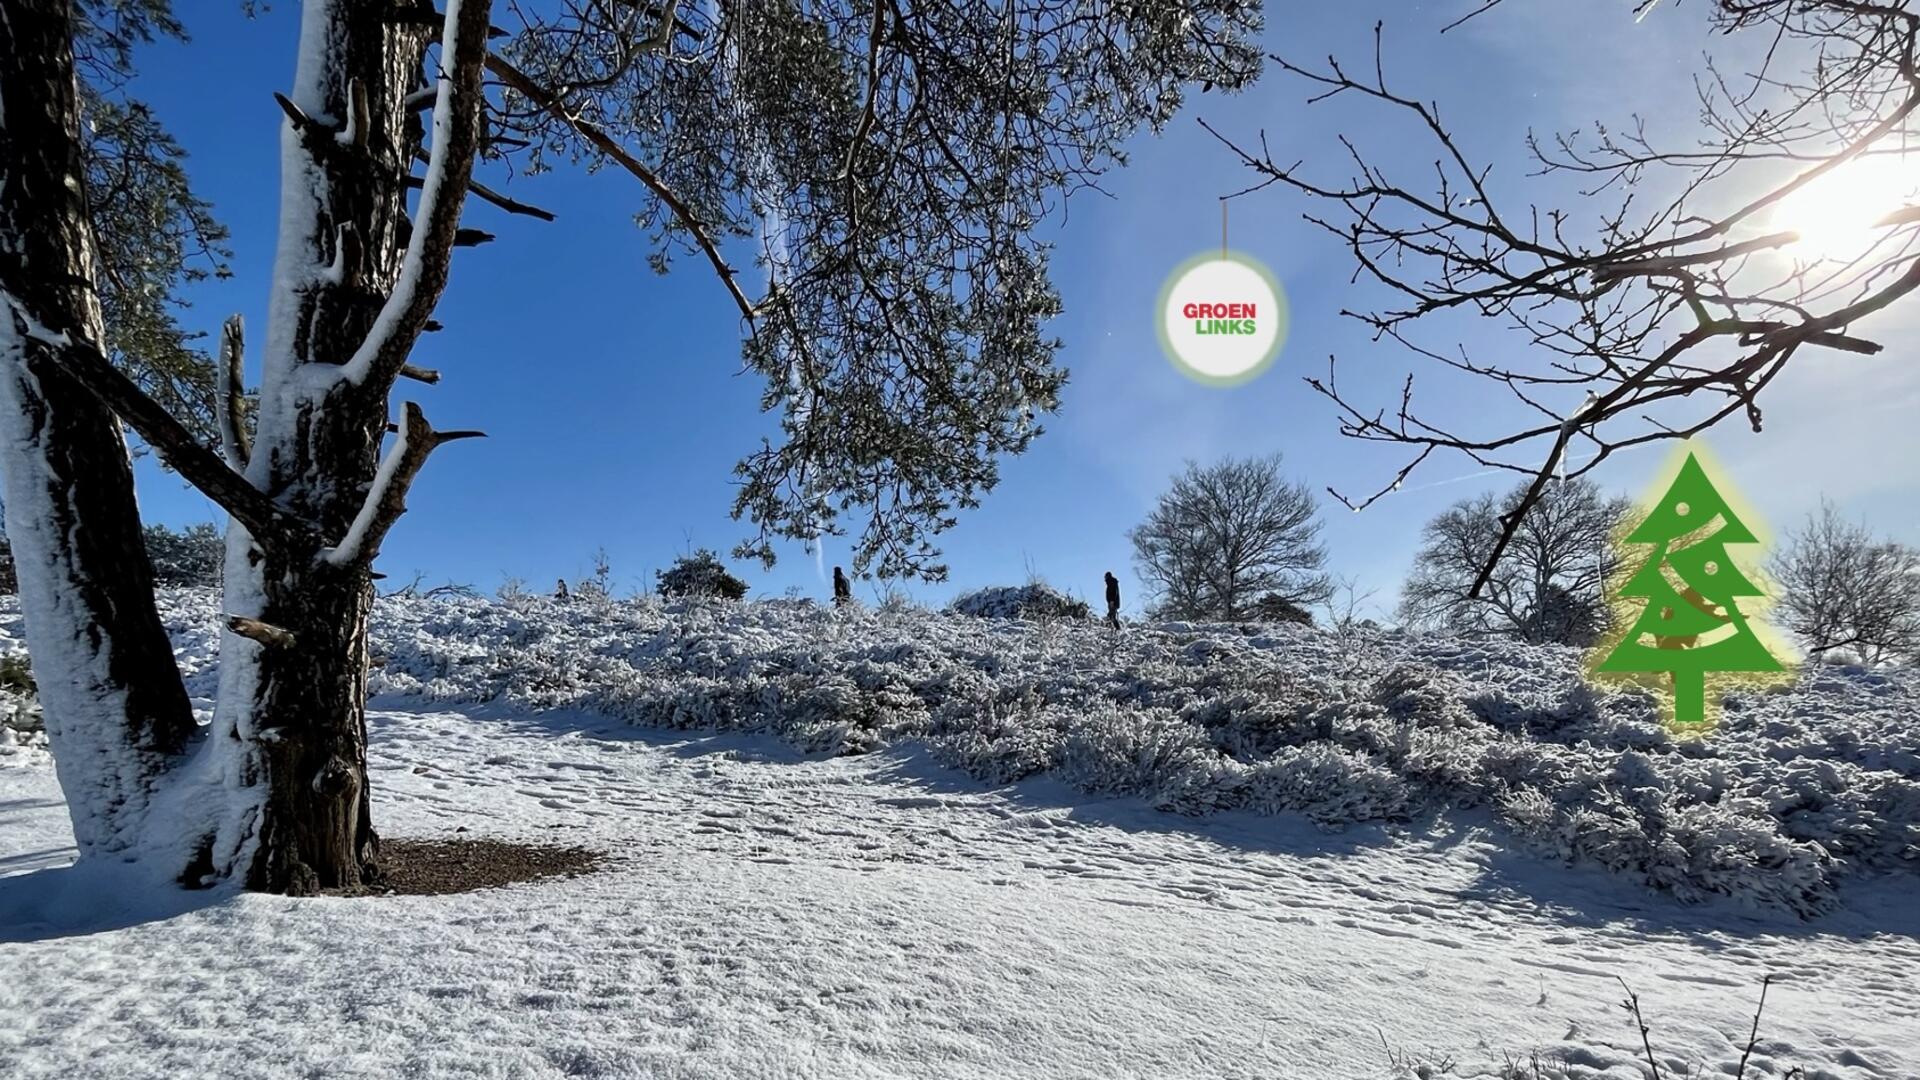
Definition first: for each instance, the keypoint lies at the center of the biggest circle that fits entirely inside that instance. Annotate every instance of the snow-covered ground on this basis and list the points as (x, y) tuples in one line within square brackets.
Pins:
[(771, 909)]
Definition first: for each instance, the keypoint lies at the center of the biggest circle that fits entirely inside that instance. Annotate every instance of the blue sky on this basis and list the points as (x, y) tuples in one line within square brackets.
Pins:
[(616, 405)]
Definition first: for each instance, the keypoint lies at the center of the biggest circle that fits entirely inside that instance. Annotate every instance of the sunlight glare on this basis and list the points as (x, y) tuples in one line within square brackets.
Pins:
[(1835, 214)]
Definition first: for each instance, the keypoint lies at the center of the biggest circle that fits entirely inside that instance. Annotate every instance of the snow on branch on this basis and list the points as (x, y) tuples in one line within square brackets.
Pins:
[(273, 637), (387, 498), (176, 445), (429, 255), (230, 399)]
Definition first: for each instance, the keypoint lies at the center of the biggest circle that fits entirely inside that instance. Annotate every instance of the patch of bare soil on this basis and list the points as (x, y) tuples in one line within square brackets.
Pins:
[(411, 867)]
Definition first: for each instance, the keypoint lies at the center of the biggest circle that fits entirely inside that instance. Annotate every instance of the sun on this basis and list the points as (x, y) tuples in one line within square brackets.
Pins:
[(1836, 214)]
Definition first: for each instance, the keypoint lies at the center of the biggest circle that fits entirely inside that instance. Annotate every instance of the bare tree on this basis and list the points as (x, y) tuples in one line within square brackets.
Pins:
[(1345, 605), (908, 153), (1657, 303), (1841, 587), (1549, 585), (1227, 535)]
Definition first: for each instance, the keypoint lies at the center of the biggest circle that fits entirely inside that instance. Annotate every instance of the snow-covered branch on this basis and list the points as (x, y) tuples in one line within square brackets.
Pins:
[(267, 634), (456, 141), (176, 445), (230, 399), (387, 499)]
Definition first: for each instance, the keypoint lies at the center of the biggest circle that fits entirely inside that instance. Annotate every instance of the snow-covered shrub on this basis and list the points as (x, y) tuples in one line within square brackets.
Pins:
[(513, 593), (999, 740), (1328, 784), (700, 574), (20, 721), (1798, 789), (1734, 849), (1251, 725), (1129, 750), (1035, 601), (1424, 697), (1871, 818)]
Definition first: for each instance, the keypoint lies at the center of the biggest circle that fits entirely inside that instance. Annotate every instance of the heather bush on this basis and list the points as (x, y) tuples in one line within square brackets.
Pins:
[(1798, 790), (1034, 601), (700, 574)]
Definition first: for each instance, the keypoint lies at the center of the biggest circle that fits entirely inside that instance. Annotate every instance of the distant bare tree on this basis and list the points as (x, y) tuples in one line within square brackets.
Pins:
[(1227, 534), (1549, 585), (599, 584), (1841, 587)]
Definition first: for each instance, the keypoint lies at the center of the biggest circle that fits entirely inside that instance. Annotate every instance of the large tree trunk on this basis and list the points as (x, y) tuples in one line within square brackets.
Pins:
[(297, 702), (278, 793), (354, 282), (116, 712), (306, 702)]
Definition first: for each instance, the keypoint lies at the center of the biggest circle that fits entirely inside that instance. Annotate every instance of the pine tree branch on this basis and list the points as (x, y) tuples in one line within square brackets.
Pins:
[(273, 637), (387, 499), (510, 205), (201, 467), (429, 256), (230, 398), (597, 136), (861, 131)]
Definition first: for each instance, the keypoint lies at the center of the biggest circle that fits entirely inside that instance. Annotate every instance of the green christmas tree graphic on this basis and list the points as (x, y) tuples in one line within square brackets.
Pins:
[(1683, 627)]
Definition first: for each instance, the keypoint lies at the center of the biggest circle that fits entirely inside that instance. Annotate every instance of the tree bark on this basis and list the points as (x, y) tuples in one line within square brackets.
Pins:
[(116, 710), (307, 706)]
